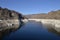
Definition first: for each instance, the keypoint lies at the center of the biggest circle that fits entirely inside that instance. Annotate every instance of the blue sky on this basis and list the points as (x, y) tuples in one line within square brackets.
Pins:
[(31, 6)]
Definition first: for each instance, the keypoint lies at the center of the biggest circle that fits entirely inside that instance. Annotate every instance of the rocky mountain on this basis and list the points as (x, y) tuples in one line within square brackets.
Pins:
[(54, 14), (9, 14), (10, 19), (49, 15)]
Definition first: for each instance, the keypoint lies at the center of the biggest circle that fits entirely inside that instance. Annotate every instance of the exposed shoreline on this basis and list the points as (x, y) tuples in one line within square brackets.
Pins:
[(55, 23), (8, 24)]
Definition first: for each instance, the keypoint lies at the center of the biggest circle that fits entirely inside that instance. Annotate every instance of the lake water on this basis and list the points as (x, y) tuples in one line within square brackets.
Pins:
[(32, 31)]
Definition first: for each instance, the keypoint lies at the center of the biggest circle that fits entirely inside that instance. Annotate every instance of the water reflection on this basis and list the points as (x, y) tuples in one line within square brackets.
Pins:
[(32, 30), (8, 31), (50, 28)]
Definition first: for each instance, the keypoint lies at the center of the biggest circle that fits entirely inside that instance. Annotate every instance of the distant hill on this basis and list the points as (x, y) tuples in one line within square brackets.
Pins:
[(54, 14), (49, 15)]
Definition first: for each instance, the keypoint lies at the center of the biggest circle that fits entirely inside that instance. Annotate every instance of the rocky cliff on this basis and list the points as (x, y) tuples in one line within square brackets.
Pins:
[(9, 19), (9, 14)]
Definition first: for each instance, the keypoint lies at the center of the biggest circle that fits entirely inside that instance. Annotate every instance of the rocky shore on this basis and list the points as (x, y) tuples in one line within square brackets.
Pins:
[(7, 24), (9, 19)]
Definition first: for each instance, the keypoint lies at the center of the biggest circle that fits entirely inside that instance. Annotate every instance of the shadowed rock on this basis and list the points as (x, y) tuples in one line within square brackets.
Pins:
[(9, 20)]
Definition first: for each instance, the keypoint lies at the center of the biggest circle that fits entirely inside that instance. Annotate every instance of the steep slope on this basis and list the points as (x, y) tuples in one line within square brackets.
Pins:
[(9, 19), (9, 14)]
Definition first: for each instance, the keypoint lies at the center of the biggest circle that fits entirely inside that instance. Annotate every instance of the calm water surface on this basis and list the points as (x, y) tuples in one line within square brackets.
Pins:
[(32, 31)]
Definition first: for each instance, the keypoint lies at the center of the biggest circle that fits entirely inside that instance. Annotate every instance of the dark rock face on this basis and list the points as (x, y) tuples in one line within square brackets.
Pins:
[(9, 19), (8, 14)]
